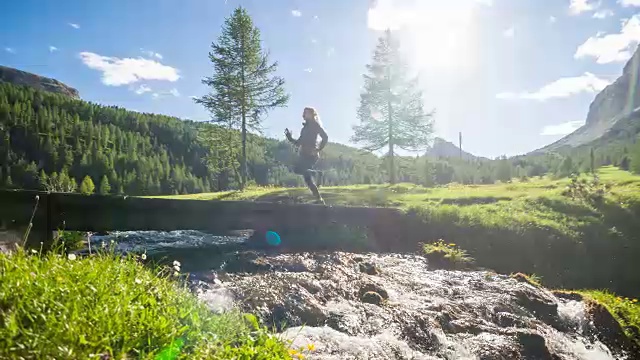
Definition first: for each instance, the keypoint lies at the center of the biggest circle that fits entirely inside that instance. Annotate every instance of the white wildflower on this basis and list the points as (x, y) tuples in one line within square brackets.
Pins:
[(72, 256), (138, 281), (143, 256)]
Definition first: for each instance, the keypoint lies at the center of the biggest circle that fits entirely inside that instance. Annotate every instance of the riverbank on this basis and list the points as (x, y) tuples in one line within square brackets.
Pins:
[(587, 237), (107, 307)]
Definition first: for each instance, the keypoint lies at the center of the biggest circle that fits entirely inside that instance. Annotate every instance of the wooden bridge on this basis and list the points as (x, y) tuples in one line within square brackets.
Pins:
[(101, 213)]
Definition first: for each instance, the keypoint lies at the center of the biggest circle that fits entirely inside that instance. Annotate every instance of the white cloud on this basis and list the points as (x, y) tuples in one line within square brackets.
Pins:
[(628, 3), (73, 25), (172, 92), (608, 48), (509, 33), (434, 33), (151, 53), (561, 88), (296, 13), (603, 14), (562, 129), (10, 50), (142, 89), (552, 19), (52, 48), (308, 70), (314, 41), (577, 7), (117, 71), (315, 17)]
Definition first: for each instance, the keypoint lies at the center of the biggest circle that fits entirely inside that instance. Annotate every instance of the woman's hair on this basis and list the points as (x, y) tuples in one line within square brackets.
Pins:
[(316, 117)]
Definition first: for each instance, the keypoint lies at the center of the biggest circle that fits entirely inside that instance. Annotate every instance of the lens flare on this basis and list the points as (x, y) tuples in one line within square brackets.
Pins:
[(273, 238)]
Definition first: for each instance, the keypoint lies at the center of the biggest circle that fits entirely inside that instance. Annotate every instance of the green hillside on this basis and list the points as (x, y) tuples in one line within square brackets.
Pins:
[(43, 133)]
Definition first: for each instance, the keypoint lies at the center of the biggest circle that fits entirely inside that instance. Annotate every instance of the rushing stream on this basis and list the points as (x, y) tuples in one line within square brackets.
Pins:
[(379, 306)]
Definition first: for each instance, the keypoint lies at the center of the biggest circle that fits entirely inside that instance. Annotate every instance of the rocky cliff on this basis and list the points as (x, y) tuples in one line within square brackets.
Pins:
[(442, 148), (24, 78), (614, 103)]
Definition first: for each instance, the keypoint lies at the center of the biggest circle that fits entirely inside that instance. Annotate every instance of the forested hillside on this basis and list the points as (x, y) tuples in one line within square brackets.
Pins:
[(53, 142)]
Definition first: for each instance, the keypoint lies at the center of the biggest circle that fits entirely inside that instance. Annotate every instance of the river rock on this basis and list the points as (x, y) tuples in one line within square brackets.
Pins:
[(534, 346), (608, 330), (541, 304), (368, 268), (372, 297), (374, 288)]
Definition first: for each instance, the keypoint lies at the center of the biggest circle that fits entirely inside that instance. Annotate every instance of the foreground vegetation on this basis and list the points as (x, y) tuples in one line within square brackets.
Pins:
[(588, 237), (63, 307), (626, 311)]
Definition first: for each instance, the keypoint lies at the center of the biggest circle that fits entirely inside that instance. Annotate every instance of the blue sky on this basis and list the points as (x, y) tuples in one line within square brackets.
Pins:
[(511, 75)]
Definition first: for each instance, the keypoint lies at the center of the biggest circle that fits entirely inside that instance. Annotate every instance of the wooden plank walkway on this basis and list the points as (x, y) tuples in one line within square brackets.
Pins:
[(98, 213)]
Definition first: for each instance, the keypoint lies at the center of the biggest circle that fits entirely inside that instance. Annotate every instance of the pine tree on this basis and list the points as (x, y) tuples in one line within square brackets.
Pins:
[(625, 164), (634, 165), (391, 110), (243, 86), (504, 170), (43, 179), (567, 167), (429, 175), (105, 187), (87, 187)]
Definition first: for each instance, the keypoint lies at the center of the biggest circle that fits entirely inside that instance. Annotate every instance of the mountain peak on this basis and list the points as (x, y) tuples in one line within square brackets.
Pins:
[(442, 148), (615, 102), (19, 77)]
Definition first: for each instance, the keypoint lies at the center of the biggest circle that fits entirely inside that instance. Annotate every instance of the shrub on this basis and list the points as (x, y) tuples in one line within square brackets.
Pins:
[(532, 279), (591, 192), (441, 254)]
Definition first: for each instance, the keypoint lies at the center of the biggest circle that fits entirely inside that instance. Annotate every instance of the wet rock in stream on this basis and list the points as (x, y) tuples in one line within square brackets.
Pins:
[(404, 309)]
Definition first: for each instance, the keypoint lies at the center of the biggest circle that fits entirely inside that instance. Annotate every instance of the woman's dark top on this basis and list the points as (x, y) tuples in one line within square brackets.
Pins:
[(308, 138)]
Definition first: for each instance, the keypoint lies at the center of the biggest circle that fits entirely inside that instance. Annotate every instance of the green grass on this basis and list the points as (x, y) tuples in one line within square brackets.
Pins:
[(626, 311), (52, 306), (446, 255)]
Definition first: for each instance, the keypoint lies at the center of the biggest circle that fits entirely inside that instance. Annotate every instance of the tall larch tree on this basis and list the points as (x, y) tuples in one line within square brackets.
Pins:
[(391, 110), (244, 86)]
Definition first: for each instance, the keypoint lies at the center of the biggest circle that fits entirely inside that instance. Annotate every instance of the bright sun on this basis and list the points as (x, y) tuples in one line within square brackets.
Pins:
[(436, 35)]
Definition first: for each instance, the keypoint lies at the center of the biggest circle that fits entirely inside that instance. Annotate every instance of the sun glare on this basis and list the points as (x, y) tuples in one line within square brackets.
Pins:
[(436, 35)]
